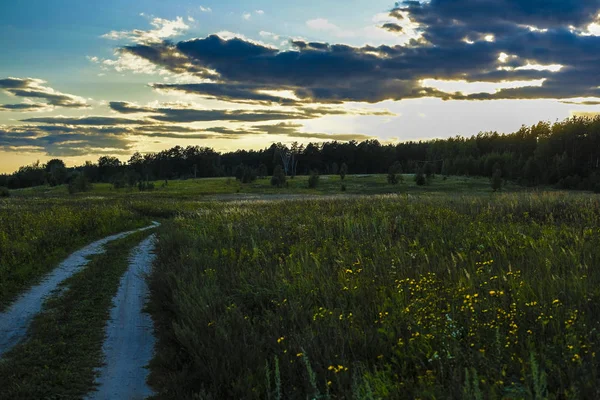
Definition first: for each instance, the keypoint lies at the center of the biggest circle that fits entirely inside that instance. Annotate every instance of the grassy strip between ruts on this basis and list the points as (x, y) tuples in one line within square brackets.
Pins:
[(64, 347)]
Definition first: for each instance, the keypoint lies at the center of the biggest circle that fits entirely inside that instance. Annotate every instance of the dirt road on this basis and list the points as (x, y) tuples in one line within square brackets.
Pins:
[(16, 319), (129, 344)]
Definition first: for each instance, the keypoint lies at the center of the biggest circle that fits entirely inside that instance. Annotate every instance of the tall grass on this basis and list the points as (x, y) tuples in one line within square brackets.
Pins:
[(389, 297), (35, 234)]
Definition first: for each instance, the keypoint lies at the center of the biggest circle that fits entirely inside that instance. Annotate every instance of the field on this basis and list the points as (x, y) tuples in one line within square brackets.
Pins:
[(443, 291)]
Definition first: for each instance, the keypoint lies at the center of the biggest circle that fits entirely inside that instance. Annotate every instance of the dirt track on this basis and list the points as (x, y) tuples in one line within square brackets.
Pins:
[(129, 343), (15, 321)]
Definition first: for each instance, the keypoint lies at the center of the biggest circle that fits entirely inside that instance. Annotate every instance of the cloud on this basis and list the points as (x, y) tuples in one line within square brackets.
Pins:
[(392, 27), (547, 40), (163, 29), (24, 107), (83, 121), (188, 114), (205, 9), (292, 130), (65, 142), (246, 16), (583, 103), (259, 12), (244, 93), (31, 88)]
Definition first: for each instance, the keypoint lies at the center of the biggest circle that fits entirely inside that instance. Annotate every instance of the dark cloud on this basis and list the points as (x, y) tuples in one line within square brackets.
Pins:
[(186, 115), (286, 129), (537, 13), (392, 27), (95, 121), (34, 88), (454, 44), (192, 115), (64, 143), (23, 107), (583, 103), (128, 108)]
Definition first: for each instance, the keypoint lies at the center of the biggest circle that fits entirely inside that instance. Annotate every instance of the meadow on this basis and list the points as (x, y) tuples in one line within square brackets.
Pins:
[(36, 234), (383, 297), (446, 291)]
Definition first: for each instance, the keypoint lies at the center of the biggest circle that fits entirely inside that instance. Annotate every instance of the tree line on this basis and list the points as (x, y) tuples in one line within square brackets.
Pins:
[(565, 154)]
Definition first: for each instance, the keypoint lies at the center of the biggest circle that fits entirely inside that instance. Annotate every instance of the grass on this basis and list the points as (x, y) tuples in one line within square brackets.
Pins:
[(36, 234), (64, 345), (328, 184), (425, 296)]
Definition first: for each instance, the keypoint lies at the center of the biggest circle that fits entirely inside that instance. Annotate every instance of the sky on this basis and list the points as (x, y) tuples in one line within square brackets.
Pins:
[(79, 79)]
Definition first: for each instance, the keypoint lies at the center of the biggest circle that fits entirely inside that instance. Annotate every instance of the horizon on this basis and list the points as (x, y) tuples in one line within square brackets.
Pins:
[(86, 80)]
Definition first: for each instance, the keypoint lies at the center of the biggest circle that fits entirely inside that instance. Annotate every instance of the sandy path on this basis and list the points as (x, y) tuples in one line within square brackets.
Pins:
[(129, 343), (15, 320)]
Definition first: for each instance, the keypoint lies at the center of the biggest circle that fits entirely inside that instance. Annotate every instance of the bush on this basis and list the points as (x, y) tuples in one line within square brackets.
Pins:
[(497, 180), (262, 171), (343, 187), (145, 186), (79, 183), (249, 175), (119, 181), (278, 178), (4, 192), (420, 177), (313, 179), (343, 171), (394, 174)]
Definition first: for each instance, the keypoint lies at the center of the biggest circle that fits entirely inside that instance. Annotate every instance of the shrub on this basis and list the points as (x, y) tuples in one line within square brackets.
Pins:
[(249, 175), (262, 171), (144, 186), (278, 178), (343, 171), (343, 187), (79, 183), (394, 174), (119, 181), (429, 171), (239, 172), (497, 180), (420, 177), (4, 192), (313, 179)]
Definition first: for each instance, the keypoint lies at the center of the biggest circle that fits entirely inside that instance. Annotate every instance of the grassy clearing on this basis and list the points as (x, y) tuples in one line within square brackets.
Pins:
[(65, 341), (389, 297), (328, 184), (35, 235)]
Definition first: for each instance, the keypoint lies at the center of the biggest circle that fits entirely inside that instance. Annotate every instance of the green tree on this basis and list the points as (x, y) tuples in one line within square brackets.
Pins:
[(395, 173), (313, 179), (343, 171), (278, 178), (79, 183), (497, 178), (57, 172), (420, 177)]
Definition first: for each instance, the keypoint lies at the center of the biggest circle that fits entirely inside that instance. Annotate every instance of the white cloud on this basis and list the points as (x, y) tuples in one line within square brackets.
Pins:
[(129, 62), (205, 9), (269, 35), (372, 35), (259, 12), (163, 28), (191, 19), (467, 88), (227, 35), (246, 16)]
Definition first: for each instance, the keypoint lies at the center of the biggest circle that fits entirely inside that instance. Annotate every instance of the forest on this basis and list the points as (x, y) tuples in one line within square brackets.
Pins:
[(565, 154)]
